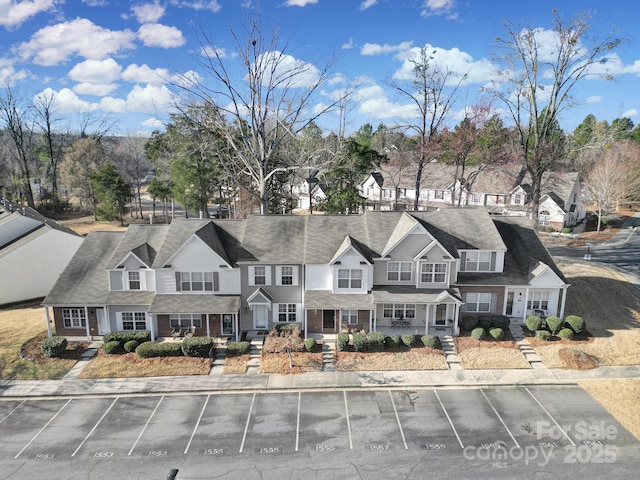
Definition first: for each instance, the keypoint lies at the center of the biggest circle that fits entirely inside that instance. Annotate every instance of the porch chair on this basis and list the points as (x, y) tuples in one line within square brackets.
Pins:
[(177, 333), (190, 332)]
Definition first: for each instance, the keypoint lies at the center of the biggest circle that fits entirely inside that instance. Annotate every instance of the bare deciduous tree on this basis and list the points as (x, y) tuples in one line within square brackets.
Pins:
[(432, 90), (537, 83), (259, 111)]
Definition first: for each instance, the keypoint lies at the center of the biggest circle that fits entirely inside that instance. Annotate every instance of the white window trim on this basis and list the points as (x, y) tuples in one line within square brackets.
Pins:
[(479, 253), (347, 315), (433, 272), (189, 278), (475, 299), (294, 275), (72, 315), (401, 308), (184, 318), (135, 319), (291, 309), (400, 271), (142, 278), (267, 275), (350, 278), (536, 299)]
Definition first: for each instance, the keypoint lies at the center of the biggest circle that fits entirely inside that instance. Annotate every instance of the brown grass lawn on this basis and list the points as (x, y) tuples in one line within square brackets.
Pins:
[(610, 307), (84, 225), (414, 359), (489, 354), (235, 365), (303, 362), (130, 365), (621, 397), (26, 324)]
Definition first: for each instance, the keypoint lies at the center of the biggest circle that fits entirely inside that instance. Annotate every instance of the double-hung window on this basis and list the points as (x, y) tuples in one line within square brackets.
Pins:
[(538, 299), (185, 320), (134, 321), (476, 261), (349, 278), (399, 310), (478, 302), (433, 272), (286, 276), (74, 318), (399, 271), (196, 281), (287, 312), (349, 317), (259, 275), (133, 277)]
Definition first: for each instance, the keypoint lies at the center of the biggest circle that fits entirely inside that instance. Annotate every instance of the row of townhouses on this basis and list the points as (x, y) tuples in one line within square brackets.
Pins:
[(502, 189), (378, 271)]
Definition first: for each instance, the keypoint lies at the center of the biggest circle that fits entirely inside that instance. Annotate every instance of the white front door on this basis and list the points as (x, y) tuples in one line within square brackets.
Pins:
[(103, 326), (260, 316)]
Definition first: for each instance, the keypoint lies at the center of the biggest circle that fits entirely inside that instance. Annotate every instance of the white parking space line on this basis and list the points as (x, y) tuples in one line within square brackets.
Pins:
[(449, 418), (395, 410), (14, 409), (246, 427), (42, 429), (500, 418), (298, 423), (95, 426), (550, 416), (346, 409), (197, 424), (145, 425)]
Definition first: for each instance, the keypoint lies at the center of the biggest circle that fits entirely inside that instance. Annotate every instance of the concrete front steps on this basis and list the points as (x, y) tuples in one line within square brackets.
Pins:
[(449, 348), (253, 366), (527, 350), (329, 356)]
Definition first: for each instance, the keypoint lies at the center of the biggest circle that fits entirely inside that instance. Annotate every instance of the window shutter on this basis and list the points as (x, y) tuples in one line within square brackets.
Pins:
[(119, 320), (463, 261), (267, 274), (493, 262), (278, 275), (216, 282), (294, 275), (178, 284), (251, 272)]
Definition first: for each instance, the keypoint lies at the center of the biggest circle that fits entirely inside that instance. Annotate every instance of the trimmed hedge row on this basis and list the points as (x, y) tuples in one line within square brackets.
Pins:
[(164, 349), (556, 326), (123, 337), (377, 342), (54, 346), (431, 341), (237, 348), (470, 322), (201, 347)]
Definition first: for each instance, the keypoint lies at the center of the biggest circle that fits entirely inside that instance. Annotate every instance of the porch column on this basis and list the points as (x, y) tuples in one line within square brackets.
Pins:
[(504, 304), (237, 329), (372, 325), (526, 302), (46, 312), (304, 319), (152, 330), (208, 328), (564, 300), (426, 319), (456, 326), (86, 321)]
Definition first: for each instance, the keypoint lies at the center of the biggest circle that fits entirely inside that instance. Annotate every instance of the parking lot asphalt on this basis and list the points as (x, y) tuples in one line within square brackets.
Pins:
[(494, 432)]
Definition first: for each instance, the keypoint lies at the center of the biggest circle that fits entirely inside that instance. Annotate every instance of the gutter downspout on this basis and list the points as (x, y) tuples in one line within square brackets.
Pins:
[(46, 312), (86, 319)]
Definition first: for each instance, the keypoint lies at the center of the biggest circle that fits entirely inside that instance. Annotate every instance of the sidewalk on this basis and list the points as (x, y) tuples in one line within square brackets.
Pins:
[(216, 382)]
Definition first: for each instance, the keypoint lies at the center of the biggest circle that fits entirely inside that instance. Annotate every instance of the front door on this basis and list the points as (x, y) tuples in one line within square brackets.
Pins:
[(103, 326), (227, 324), (329, 320), (260, 313)]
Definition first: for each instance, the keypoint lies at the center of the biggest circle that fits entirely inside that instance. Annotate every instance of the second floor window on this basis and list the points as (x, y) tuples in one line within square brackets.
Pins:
[(259, 275), (286, 277), (478, 262), (517, 198), (433, 272), (349, 278), (399, 271), (134, 280), (196, 281)]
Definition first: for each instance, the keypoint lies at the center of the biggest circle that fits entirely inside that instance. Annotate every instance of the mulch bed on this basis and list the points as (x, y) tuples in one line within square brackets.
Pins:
[(31, 350), (464, 342)]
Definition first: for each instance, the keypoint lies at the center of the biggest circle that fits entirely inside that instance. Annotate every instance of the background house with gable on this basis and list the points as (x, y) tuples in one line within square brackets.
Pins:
[(34, 250)]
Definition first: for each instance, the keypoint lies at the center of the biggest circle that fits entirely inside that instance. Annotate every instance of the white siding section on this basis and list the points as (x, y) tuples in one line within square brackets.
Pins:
[(318, 277)]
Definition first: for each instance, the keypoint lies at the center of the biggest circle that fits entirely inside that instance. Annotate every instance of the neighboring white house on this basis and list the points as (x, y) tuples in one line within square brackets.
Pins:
[(34, 250), (303, 196)]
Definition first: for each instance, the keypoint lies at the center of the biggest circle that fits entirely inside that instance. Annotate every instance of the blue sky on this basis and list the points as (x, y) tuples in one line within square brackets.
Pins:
[(120, 58)]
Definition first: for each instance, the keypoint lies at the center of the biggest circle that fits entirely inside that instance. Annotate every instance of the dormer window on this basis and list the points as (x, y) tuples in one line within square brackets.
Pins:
[(134, 280), (478, 261), (433, 272), (349, 278)]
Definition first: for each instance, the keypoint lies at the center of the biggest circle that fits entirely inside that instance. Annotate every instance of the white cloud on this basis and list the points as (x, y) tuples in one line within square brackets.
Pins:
[(13, 13), (153, 123), (149, 99), (594, 99), (347, 46), (212, 5), (439, 7), (367, 4), (113, 105), (9, 76), (211, 51), (457, 62), (375, 49), (630, 113), (289, 70), (55, 44), (158, 35), (97, 89), (299, 3), (148, 12), (145, 74), (96, 71), (67, 101)]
